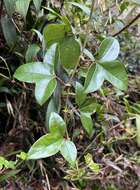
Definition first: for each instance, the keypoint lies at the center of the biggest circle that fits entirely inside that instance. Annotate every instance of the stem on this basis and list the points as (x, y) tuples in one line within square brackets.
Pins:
[(84, 45), (4, 76), (61, 81), (127, 25), (74, 109), (16, 26), (6, 66), (85, 42), (88, 147)]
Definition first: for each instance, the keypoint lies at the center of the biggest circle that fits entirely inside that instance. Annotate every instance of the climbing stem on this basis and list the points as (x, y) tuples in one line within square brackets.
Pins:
[(75, 69)]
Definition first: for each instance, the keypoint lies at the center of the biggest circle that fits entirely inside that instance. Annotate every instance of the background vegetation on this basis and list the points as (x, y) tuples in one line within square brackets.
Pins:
[(95, 125)]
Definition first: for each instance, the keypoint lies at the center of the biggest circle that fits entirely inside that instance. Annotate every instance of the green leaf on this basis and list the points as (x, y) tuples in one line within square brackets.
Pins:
[(53, 12), (9, 174), (57, 124), (2, 160), (87, 123), (6, 164), (50, 56), (84, 8), (44, 89), (89, 54), (69, 53), (9, 31), (32, 72), (128, 107), (108, 50), (39, 35), (10, 6), (114, 72), (63, 18), (40, 74), (52, 107), (69, 151), (91, 164), (89, 106), (22, 7), (94, 79), (80, 94), (37, 4), (54, 33), (10, 164), (138, 129), (67, 23), (57, 95), (22, 156), (31, 53), (45, 146)]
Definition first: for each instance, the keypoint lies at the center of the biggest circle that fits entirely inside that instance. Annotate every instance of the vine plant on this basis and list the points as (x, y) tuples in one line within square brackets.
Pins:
[(58, 73)]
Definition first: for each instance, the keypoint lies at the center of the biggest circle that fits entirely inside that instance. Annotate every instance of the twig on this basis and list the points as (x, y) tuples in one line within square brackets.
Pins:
[(43, 172), (88, 147), (73, 108), (14, 82), (15, 25), (61, 81), (4, 76), (127, 25), (6, 66)]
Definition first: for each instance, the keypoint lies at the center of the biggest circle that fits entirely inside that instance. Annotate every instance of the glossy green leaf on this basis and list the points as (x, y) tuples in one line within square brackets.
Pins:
[(114, 72), (10, 6), (45, 146), (138, 129), (32, 52), (69, 53), (40, 74), (57, 95), (63, 18), (54, 33), (44, 89), (50, 56), (89, 54), (87, 123), (94, 79), (69, 151), (22, 7), (57, 124), (32, 72), (80, 94), (37, 4), (52, 107), (9, 31), (39, 35), (108, 50)]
